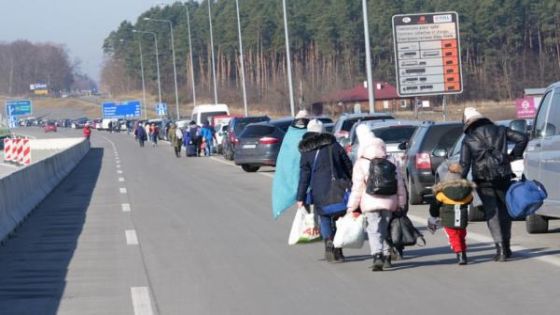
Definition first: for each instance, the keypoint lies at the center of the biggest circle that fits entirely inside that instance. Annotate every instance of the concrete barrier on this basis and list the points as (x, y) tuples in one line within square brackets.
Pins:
[(22, 190)]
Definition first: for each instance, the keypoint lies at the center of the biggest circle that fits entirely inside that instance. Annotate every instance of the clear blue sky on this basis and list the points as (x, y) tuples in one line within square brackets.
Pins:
[(81, 25)]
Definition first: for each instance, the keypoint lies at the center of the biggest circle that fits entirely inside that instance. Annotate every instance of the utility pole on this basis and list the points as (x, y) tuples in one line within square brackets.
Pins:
[(213, 60), (190, 55), (241, 60), (288, 60), (371, 95)]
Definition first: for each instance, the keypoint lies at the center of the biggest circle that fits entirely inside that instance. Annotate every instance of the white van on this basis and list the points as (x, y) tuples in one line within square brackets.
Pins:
[(105, 123), (203, 113)]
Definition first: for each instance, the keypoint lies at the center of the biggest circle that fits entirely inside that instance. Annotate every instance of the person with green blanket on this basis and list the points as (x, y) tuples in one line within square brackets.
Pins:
[(286, 176)]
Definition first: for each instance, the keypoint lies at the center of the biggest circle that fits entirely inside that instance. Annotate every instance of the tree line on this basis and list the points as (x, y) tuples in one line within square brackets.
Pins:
[(23, 63), (506, 46)]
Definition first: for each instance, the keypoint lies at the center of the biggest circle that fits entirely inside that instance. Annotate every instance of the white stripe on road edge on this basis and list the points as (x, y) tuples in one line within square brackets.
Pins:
[(518, 250), (119, 172), (122, 190), (131, 237), (121, 179), (125, 207), (232, 164), (118, 166), (141, 301)]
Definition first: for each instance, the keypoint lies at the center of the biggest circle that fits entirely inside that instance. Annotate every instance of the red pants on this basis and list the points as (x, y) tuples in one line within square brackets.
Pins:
[(456, 239)]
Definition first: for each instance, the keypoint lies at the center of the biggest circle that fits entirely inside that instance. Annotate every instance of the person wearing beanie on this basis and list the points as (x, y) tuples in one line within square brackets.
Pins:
[(452, 197), (318, 151), (484, 150)]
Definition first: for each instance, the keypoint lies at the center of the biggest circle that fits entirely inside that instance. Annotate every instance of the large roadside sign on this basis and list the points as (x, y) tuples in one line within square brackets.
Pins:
[(427, 54), (128, 109), (18, 108), (161, 109)]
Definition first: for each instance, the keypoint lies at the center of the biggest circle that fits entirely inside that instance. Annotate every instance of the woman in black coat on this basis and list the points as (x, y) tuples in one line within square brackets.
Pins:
[(316, 149)]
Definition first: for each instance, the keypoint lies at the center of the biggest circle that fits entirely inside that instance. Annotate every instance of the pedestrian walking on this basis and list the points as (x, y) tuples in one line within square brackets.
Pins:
[(484, 148), (207, 135), (87, 131), (377, 190), (322, 160), (286, 175), (452, 194), (175, 136), (140, 134), (193, 147), (154, 133), (110, 126)]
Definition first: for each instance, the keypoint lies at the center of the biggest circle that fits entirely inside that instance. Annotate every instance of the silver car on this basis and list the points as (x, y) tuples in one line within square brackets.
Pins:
[(542, 158)]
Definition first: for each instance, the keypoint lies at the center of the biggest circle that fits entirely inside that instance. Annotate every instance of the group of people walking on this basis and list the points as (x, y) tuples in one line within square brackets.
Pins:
[(197, 140), (311, 165)]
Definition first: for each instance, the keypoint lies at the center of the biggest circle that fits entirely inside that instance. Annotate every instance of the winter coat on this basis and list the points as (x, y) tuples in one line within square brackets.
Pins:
[(320, 181), (472, 149), (286, 175), (449, 194), (172, 136), (207, 133), (359, 197), (140, 133), (87, 131)]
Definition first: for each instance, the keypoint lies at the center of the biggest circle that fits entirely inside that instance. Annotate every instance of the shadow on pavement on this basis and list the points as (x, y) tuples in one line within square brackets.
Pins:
[(34, 262)]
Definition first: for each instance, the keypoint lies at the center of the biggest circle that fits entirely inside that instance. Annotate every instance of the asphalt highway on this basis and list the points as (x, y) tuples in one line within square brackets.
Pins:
[(138, 231)]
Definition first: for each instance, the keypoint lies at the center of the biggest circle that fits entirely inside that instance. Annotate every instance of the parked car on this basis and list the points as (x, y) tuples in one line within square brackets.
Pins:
[(542, 158), (79, 123), (345, 122), (259, 144), (234, 129), (392, 132), (420, 163), (50, 126), (206, 113)]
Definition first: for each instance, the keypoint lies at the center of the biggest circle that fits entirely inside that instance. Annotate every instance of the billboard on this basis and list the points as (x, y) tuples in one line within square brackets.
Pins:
[(128, 109), (427, 54), (526, 107)]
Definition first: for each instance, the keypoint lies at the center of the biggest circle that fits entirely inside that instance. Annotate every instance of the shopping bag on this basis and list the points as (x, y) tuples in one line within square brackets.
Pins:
[(349, 232), (304, 228)]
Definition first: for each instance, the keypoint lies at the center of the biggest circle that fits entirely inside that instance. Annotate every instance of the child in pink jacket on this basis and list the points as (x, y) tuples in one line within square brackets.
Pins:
[(377, 208)]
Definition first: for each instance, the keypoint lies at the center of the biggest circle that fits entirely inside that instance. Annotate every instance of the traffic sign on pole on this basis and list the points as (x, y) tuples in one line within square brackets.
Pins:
[(427, 54), (18, 107), (161, 109), (128, 109)]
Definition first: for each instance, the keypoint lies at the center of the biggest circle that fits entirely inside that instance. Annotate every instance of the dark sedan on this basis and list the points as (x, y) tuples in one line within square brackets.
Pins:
[(259, 144)]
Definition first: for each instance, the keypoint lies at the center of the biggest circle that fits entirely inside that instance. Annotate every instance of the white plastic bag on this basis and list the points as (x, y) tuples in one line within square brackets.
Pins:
[(304, 228), (349, 232)]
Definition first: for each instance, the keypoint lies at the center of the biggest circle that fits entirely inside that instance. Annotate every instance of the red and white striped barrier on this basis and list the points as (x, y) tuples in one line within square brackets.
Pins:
[(7, 149), (13, 156), (26, 156), (19, 155)]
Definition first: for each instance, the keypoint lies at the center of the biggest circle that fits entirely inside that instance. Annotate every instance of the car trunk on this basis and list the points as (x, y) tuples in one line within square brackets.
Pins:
[(257, 140)]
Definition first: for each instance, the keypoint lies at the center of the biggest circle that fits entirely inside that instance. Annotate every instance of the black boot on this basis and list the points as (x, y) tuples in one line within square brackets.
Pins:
[(338, 255), (462, 258), (507, 249), (378, 262), (329, 251), (387, 263), (500, 256)]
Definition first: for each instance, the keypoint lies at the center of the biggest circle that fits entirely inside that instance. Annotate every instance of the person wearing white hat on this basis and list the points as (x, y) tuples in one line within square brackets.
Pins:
[(484, 149)]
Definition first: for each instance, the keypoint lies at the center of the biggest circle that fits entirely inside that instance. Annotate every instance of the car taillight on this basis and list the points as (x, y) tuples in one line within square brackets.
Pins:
[(268, 140), (423, 161)]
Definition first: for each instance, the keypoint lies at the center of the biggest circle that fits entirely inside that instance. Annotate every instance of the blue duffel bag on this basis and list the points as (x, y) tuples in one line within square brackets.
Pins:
[(525, 197)]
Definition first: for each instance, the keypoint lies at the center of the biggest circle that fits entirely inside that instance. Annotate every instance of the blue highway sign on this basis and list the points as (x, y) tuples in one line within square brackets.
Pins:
[(161, 109), (18, 107), (128, 109)]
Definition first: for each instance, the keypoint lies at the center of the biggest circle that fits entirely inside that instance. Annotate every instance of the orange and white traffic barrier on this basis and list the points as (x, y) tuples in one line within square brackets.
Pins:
[(7, 149), (19, 155), (25, 156), (13, 157)]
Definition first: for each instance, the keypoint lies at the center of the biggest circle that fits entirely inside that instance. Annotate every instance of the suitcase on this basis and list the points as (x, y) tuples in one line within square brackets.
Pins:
[(191, 150)]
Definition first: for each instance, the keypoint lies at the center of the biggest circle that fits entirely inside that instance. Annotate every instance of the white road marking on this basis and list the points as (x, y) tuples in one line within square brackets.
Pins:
[(141, 301), (131, 237), (119, 172), (125, 207), (121, 179), (122, 190), (118, 166), (518, 250)]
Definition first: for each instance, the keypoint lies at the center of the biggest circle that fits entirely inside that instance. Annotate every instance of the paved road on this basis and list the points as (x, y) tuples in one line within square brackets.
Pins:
[(137, 231)]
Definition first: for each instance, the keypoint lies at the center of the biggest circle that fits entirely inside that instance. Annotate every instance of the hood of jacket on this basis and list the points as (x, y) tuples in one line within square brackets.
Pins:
[(313, 141), (374, 149), (456, 191)]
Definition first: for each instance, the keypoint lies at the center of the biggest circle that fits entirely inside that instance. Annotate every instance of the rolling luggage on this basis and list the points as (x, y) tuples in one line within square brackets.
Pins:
[(191, 150)]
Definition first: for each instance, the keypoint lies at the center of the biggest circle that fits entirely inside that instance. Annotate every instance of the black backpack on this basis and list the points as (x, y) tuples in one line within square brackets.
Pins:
[(494, 163), (382, 179)]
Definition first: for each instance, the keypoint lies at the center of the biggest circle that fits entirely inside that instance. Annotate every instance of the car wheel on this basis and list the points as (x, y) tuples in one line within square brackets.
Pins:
[(536, 224), (476, 214), (413, 197), (229, 154), (250, 168)]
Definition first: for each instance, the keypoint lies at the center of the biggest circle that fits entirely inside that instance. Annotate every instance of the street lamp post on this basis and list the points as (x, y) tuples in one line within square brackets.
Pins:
[(241, 60), (212, 49), (157, 60), (371, 96), (174, 62), (190, 55), (288, 61), (143, 80)]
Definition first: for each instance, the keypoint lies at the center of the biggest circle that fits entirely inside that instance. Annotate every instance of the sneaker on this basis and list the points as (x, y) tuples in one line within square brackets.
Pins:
[(462, 258), (378, 262), (387, 263), (329, 251)]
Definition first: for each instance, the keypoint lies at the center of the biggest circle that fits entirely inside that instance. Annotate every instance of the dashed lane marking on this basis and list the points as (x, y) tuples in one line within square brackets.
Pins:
[(121, 179), (122, 190), (125, 207), (141, 301), (119, 172), (131, 237)]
